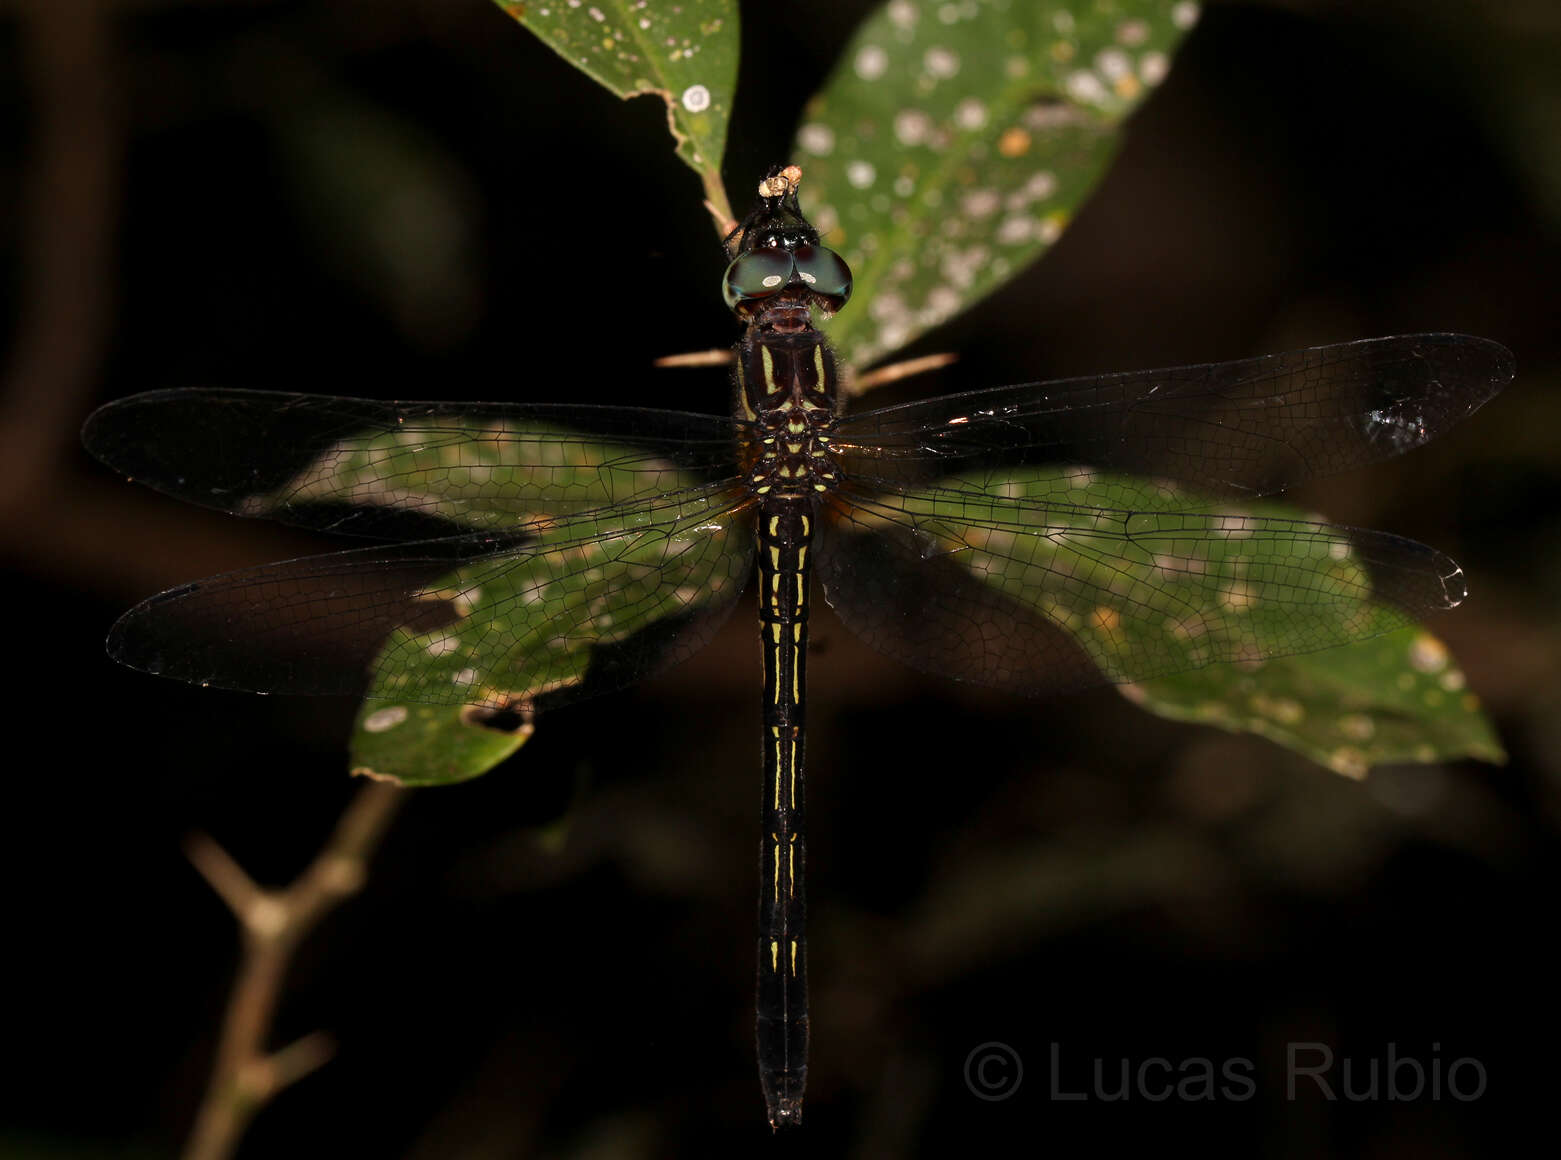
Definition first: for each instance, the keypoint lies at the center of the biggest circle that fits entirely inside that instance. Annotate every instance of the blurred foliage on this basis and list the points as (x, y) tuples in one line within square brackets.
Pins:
[(1394, 698), (954, 142), (390, 207)]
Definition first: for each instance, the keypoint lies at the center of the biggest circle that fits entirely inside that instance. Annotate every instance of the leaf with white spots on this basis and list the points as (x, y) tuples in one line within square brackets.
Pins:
[(685, 53), (476, 473), (1150, 578), (1154, 584), (1398, 697), (956, 138), (414, 744), (530, 621)]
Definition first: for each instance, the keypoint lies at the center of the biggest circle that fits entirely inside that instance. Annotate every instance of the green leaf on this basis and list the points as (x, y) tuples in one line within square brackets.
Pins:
[(414, 744), (611, 537), (684, 52), (503, 652), (518, 475), (1151, 578), (956, 139), (1168, 598), (594, 568), (528, 622), (1395, 698)]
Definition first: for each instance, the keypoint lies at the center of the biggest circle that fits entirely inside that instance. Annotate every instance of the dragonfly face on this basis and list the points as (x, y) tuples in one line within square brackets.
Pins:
[(1035, 538), (780, 268)]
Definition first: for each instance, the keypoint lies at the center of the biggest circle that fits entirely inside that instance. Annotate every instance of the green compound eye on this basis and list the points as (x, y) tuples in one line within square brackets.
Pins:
[(756, 274), (825, 273)]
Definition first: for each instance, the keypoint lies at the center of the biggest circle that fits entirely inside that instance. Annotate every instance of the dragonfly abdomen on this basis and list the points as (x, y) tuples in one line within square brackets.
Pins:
[(785, 533)]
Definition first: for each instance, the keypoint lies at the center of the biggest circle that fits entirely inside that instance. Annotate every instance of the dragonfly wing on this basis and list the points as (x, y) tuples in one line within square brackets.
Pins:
[(1039, 597), (403, 470), (933, 614), (563, 609), (1255, 426)]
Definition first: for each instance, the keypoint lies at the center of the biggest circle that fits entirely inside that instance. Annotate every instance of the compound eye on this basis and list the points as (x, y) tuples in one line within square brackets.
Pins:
[(756, 274), (824, 272)]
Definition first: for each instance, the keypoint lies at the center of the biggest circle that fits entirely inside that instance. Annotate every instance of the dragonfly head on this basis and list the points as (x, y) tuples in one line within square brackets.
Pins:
[(778, 269)]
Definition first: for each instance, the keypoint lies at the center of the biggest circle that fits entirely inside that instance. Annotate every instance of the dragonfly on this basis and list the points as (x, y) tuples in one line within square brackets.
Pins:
[(1034, 538)]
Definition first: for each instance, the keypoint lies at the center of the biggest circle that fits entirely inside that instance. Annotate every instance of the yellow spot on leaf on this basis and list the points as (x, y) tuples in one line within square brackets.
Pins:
[(1014, 142)]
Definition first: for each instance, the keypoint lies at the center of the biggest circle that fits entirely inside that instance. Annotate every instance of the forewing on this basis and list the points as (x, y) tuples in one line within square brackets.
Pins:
[(562, 609), (403, 470), (1255, 426), (1034, 596)]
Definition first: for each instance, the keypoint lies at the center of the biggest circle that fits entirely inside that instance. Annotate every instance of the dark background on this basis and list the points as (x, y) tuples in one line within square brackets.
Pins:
[(413, 198)]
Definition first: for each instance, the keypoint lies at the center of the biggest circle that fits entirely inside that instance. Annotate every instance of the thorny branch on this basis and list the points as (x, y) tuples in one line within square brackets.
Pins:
[(245, 1074)]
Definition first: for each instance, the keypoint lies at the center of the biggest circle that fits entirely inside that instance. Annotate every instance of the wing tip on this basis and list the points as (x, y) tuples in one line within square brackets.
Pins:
[(1455, 587), (1469, 360)]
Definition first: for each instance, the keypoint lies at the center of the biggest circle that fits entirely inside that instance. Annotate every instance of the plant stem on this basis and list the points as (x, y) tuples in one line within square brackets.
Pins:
[(245, 1075)]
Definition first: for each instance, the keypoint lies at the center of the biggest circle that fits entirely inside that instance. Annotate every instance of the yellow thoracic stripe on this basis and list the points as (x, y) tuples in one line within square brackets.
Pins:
[(770, 385), (742, 392)]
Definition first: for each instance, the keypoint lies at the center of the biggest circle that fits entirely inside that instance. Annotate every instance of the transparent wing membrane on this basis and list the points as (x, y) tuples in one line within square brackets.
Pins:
[(560, 609), (1254, 426), (400, 470), (1027, 537), (1038, 597)]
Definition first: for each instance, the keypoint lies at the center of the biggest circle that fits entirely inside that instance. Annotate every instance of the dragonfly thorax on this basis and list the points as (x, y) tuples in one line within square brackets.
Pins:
[(787, 387)]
